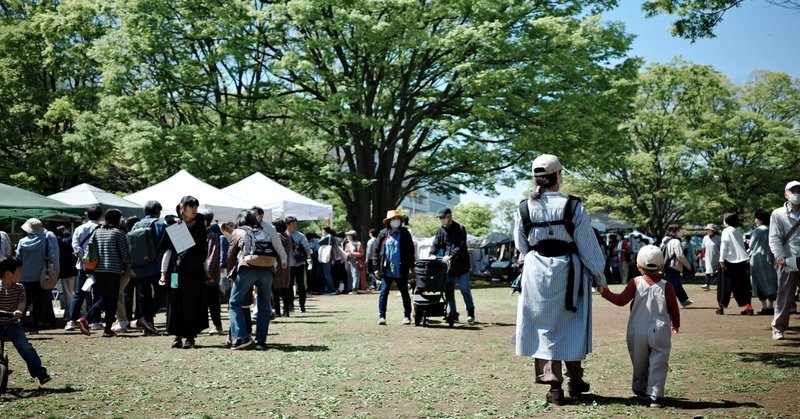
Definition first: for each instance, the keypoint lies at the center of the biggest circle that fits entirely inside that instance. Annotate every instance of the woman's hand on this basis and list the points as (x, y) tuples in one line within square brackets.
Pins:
[(163, 280)]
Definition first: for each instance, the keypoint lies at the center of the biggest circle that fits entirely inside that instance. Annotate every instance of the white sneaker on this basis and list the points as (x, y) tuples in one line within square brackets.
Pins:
[(96, 326), (705, 287), (382, 321), (70, 326), (120, 327), (406, 320), (776, 335), (470, 320), (687, 303)]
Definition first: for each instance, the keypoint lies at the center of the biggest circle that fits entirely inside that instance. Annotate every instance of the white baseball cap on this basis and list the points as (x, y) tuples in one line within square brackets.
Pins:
[(791, 185), (546, 164), (650, 257)]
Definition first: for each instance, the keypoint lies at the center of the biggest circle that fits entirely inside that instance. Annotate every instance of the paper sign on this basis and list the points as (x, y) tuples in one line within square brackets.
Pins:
[(180, 236)]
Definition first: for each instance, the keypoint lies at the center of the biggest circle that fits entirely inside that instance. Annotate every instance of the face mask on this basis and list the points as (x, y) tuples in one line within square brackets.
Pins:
[(394, 223), (794, 198)]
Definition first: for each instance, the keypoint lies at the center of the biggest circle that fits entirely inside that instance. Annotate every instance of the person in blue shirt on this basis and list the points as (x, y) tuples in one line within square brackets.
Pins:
[(149, 295), (393, 261)]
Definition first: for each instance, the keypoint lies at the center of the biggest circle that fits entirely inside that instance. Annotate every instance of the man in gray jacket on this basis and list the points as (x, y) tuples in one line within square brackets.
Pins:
[(784, 242)]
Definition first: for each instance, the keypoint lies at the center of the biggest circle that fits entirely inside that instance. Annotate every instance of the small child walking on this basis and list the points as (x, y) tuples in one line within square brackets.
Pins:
[(12, 300), (653, 311)]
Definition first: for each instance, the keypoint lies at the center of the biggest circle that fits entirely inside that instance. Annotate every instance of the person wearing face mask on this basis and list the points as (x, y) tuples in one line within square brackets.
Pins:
[(451, 240), (553, 232), (784, 241), (394, 260)]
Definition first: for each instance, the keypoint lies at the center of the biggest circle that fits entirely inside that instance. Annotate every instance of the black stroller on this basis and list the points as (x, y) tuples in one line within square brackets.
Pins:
[(429, 296)]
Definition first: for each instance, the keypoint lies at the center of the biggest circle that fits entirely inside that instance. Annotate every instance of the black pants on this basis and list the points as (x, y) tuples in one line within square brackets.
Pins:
[(212, 297), (129, 295), (735, 279), (34, 296), (149, 297), (339, 276), (284, 294), (106, 287), (298, 274)]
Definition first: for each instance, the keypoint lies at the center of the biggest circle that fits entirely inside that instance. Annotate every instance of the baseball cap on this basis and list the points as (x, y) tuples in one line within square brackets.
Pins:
[(791, 185), (444, 212), (546, 164), (650, 257)]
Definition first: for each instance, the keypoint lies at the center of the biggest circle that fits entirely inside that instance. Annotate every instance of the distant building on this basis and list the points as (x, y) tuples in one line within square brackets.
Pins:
[(423, 201)]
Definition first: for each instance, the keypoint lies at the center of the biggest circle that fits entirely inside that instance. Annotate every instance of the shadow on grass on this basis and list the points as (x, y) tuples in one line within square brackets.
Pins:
[(285, 347), (779, 360), (678, 403), (13, 393), (291, 320)]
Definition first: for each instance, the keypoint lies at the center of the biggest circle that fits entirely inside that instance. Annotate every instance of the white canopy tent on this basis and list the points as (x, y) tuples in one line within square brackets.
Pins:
[(283, 201), (226, 207), (85, 195)]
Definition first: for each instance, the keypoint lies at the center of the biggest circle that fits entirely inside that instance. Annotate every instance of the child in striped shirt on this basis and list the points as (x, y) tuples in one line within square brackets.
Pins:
[(12, 300)]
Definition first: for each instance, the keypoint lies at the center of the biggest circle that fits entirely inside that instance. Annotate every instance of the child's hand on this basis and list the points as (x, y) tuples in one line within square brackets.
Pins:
[(17, 315), (674, 330)]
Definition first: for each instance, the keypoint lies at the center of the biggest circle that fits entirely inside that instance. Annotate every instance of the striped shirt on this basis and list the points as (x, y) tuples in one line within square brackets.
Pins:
[(11, 300), (112, 245)]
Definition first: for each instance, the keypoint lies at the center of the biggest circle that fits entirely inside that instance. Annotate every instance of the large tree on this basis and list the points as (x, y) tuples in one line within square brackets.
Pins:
[(370, 99)]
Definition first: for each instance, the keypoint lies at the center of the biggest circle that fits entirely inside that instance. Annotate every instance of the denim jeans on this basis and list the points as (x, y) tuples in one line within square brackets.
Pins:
[(16, 334), (245, 280), (328, 275), (463, 284), (79, 297), (386, 284), (149, 297)]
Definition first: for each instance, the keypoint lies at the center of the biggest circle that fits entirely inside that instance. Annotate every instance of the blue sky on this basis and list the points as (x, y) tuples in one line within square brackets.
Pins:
[(754, 36)]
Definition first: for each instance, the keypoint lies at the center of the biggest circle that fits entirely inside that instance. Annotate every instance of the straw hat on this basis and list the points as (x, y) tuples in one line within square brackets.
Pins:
[(33, 226), (391, 215), (712, 227)]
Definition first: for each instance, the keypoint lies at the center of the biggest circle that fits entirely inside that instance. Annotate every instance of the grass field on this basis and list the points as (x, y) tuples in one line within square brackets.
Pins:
[(335, 361)]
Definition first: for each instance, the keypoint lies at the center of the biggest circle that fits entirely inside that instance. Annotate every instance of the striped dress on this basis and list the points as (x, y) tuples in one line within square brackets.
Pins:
[(545, 329)]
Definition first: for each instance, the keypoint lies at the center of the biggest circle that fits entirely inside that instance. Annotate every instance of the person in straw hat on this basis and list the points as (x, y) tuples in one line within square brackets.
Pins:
[(561, 254), (393, 261), (711, 243), (654, 316)]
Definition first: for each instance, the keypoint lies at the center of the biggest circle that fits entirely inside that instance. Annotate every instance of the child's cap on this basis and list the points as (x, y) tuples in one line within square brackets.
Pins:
[(650, 257)]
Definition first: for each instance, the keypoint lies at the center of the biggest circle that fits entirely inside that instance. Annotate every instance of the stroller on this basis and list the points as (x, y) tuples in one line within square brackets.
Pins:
[(429, 298)]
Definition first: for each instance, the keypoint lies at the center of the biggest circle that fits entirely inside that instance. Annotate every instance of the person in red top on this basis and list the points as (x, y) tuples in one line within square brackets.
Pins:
[(654, 316)]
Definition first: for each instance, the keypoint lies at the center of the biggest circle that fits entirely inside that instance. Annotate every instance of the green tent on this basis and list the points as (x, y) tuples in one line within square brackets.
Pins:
[(20, 204)]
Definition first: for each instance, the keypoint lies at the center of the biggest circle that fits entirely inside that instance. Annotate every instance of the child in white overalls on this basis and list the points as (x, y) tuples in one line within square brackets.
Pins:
[(653, 311)]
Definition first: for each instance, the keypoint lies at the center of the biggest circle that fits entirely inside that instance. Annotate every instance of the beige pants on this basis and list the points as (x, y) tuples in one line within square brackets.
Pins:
[(549, 372)]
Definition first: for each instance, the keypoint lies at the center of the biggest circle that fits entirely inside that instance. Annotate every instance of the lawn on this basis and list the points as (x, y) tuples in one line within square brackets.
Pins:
[(335, 361)]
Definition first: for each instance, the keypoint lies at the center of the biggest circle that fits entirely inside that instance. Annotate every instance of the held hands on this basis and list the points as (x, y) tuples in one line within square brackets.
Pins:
[(602, 288)]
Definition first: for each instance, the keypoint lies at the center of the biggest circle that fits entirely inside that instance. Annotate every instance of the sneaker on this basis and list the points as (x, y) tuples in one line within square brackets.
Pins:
[(120, 327), (177, 343), (656, 403), (261, 346), (84, 325), (555, 397), (705, 287), (766, 312), (302, 309), (470, 320), (578, 387), (96, 326), (406, 320), (776, 335), (70, 326), (108, 333), (687, 303), (242, 345), (747, 312), (382, 321), (720, 311), (44, 379), (189, 344)]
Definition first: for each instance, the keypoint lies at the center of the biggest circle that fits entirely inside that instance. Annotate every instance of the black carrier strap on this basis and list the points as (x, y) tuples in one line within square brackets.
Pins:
[(569, 212)]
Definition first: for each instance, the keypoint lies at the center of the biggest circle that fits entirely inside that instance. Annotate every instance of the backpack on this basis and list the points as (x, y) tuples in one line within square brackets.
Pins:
[(299, 251), (92, 256), (665, 251), (257, 248), (569, 212), (141, 243)]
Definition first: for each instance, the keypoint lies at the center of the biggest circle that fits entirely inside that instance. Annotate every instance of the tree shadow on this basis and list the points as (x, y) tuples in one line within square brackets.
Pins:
[(17, 393), (299, 321), (773, 359)]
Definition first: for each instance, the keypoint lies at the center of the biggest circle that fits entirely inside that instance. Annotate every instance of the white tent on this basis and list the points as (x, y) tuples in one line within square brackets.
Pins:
[(283, 201), (85, 195), (226, 207)]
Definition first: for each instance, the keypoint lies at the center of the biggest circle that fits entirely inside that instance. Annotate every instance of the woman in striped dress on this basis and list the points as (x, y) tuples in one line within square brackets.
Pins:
[(561, 255)]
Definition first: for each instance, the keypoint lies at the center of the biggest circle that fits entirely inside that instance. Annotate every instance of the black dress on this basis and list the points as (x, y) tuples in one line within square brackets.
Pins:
[(186, 306)]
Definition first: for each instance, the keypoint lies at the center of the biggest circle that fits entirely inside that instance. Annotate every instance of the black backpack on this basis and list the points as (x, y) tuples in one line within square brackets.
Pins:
[(569, 212), (665, 251), (257, 249)]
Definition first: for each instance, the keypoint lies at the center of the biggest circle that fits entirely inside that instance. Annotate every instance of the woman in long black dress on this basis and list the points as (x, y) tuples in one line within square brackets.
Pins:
[(186, 307)]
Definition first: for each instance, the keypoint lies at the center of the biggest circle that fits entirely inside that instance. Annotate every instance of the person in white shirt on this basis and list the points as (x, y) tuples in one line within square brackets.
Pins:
[(733, 262), (784, 242), (711, 254)]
